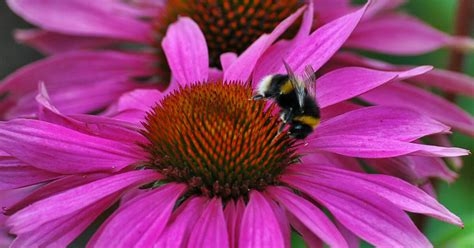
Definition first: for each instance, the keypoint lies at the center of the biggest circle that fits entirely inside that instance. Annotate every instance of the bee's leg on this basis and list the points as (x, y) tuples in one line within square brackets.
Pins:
[(285, 117), (258, 97), (281, 128)]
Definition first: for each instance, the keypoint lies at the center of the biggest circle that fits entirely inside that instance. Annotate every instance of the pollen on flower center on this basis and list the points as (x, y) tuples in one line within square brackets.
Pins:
[(229, 26), (213, 138)]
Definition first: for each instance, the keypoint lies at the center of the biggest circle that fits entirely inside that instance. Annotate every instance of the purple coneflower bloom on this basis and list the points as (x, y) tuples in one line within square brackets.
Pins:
[(102, 49), (202, 165), (78, 27)]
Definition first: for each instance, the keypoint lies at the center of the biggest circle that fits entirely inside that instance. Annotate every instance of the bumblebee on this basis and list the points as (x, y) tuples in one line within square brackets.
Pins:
[(296, 99)]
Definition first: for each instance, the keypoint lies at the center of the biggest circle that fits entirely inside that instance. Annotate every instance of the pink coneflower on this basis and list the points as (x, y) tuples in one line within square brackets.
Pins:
[(102, 49), (123, 38), (202, 165)]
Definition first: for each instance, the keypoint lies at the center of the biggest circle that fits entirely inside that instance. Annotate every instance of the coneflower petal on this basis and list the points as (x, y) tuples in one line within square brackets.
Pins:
[(242, 68), (81, 18), (310, 239), (186, 51), (353, 81), (58, 149), (210, 229), (397, 124), (369, 216), (182, 222), (75, 199), (397, 191), (260, 226), (312, 217), (140, 221), (376, 147), (403, 35), (100, 77), (64, 230), (315, 50), (49, 43), (408, 96)]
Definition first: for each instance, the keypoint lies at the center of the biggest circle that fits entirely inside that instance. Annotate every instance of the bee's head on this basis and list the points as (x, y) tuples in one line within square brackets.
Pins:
[(264, 86)]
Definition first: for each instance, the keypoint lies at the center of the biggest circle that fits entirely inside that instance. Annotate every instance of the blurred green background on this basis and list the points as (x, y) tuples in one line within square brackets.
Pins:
[(458, 197)]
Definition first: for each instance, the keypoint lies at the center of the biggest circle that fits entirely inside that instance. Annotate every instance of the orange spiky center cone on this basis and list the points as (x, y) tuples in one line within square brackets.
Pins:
[(217, 141), (228, 25)]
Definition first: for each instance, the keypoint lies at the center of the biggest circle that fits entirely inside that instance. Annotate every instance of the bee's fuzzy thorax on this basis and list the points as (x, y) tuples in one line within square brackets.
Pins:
[(298, 108)]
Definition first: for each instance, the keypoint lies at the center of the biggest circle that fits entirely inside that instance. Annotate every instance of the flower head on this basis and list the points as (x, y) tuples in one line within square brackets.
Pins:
[(124, 38), (200, 164), (203, 134)]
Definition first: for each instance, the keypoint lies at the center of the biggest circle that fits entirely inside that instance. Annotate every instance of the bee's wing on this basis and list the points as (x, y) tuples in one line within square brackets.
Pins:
[(298, 84), (309, 81)]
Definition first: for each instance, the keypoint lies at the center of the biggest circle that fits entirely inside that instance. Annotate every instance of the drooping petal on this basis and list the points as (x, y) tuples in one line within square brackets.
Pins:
[(382, 122), (345, 83), (375, 147), (137, 102), (72, 200), (182, 223), (443, 140), (78, 67), (368, 215), (7, 198), (397, 34), (414, 168), (140, 221), (99, 126), (51, 42), (432, 167), (77, 17), (99, 77), (185, 48), (61, 232), (58, 149), (411, 97), (315, 50), (139, 99), (397, 191), (312, 217), (71, 98), (448, 81), (242, 68), (16, 174), (210, 229), (260, 226)]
